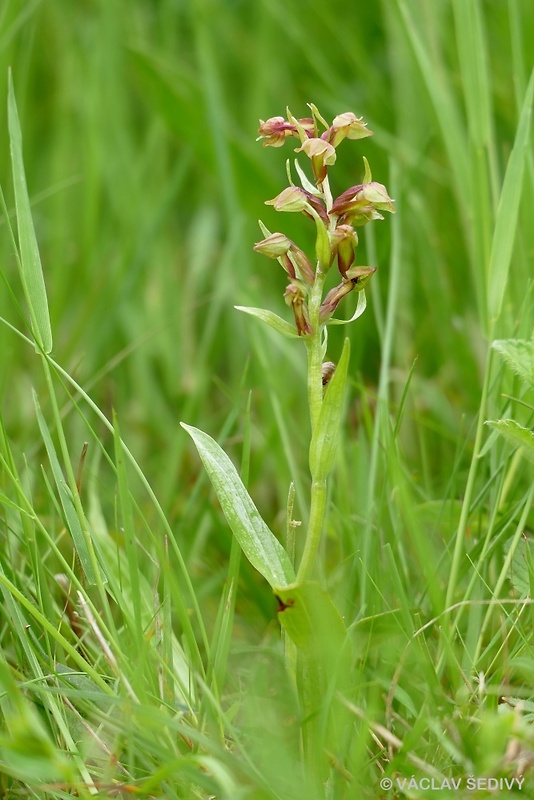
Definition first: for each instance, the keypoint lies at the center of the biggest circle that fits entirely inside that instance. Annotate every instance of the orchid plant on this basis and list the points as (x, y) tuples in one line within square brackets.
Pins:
[(307, 614)]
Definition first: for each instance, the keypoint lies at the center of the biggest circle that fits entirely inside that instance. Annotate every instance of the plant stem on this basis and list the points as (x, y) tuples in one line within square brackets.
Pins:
[(315, 356), (315, 400), (315, 527)]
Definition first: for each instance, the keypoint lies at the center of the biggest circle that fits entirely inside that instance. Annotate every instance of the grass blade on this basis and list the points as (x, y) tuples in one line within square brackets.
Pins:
[(71, 517), (31, 271), (508, 211)]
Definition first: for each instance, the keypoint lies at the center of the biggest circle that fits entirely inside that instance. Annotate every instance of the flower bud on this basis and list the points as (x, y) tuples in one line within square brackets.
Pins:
[(274, 246), (278, 245), (292, 199), (327, 372), (294, 297), (302, 263)]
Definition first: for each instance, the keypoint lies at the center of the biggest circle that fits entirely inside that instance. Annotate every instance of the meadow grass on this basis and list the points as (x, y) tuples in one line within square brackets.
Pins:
[(139, 652)]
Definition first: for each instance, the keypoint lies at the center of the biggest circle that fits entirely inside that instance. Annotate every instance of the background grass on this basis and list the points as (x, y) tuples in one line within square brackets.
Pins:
[(138, 124)]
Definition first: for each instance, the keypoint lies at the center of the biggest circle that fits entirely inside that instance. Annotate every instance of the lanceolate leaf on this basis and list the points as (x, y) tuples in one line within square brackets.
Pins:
[(257, 541), (324, 440), (272, 319), (515, 434), (31, 272)]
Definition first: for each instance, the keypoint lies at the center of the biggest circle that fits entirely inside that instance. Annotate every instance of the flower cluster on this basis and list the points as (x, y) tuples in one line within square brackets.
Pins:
[(335, 219)]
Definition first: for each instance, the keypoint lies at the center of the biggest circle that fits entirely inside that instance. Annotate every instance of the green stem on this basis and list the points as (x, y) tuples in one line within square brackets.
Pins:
[(315, 527), (315, 356), (315, 400)]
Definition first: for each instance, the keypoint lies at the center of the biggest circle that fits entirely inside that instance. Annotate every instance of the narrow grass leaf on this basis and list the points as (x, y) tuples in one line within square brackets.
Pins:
[(71, 516), (31, 272), (128, 529), (271, 319), (508, 210), (472, 51), (326, 433), (257, 541), (515, 434), (519, 355)]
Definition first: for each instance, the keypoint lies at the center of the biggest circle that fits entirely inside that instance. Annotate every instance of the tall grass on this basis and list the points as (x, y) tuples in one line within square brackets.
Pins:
[(138, 652)]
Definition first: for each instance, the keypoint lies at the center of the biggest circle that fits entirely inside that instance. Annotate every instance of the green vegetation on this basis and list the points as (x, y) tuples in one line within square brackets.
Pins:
[(140, 653)]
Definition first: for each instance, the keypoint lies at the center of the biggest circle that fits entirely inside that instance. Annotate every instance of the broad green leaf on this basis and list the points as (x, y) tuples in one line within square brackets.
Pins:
[(71, 516), (272, 319), (508, 210), (257, 541), (519, 355), (515, 434), (31, 272), (326, 433)]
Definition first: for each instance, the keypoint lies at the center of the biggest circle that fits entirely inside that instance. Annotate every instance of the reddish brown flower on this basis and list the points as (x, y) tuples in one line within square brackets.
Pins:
[(295, 297), (356, 278), (346, 126), (343, 242), (321, 154), (362, 203)]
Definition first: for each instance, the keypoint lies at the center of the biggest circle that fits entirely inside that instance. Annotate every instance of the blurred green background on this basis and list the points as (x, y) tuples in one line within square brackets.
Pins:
[(139, 121)]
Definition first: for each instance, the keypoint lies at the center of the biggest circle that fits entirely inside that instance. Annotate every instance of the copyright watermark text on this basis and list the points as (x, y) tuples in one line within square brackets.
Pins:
[(470, 783)]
